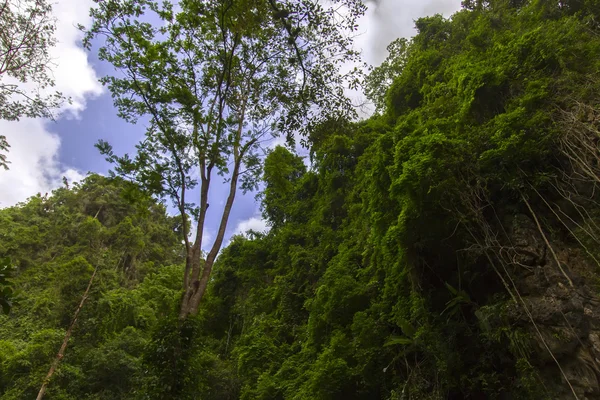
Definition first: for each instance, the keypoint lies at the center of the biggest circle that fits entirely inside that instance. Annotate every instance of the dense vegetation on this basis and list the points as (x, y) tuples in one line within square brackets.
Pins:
[(445, 248), (56, 243)]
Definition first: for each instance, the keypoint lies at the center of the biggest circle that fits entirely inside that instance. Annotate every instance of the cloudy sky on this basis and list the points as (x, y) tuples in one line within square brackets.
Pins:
[(42, 152)]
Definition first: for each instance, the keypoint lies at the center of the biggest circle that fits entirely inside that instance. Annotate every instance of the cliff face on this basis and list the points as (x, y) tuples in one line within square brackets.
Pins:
[(446, 248), (563, 319)]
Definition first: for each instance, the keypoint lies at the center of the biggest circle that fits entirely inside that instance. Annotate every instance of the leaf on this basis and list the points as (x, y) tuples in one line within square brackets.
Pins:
[(401, 340), (451, 288), (461, 297), (6, 305), (407, 328)]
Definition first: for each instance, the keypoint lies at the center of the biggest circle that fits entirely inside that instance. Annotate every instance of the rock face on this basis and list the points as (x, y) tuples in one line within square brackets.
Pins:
[(563, 320)]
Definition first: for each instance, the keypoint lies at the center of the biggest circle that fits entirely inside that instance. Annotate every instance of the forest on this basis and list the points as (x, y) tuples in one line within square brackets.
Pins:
[(446, 247)]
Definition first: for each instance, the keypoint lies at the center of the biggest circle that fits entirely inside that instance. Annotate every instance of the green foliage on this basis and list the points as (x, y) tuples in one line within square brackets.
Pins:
[(381, 77), (370, 283), (6, 286), (215, 79), (4, 146), (282, 171), (56, 242), (378, 278), (28, 34)]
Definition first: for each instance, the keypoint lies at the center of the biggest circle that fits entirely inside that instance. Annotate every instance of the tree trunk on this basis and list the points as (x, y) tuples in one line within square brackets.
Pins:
[(63, 347), (195, 292), (200, 274)]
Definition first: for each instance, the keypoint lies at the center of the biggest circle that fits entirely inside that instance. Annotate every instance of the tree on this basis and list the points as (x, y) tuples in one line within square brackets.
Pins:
[(26, 34), (6, 286), (216, 79), (380, 79), (282, 170), (63, 347), (55, 243)]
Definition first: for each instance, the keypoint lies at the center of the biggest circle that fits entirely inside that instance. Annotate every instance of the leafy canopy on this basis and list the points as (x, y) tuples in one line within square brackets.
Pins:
[(6, 286), (216, 79), (26, 35)]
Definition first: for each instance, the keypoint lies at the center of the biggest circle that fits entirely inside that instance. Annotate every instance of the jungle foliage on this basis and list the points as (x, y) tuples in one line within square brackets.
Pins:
[(55, 242), (387, 270), (217, 79)]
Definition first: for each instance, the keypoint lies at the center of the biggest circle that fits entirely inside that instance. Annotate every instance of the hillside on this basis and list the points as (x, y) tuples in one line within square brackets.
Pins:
[(445, 248)]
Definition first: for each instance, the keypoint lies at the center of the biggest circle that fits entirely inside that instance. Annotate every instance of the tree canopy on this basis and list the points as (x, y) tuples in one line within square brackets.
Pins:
[(216, 79), (26, 36), (445, 248)]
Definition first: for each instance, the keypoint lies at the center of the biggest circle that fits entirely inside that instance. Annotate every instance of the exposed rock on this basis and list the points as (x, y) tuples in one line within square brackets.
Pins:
[(563, 320), (529, 247)]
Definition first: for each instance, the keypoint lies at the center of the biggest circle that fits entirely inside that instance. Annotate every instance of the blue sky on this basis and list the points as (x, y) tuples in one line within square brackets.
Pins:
[(44, 151)]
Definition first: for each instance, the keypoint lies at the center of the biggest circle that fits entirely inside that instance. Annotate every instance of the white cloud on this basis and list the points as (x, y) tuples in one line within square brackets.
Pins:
[(255, 223), (207, 236), (34, 144), (34, 167), (387, 20)]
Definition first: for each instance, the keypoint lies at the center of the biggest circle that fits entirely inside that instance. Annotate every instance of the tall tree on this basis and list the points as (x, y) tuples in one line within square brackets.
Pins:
[(380, 78), (216, 79), (26, 34)]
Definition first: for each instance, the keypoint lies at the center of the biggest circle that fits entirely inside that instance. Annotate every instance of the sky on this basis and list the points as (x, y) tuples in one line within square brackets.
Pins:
[(43, 151)]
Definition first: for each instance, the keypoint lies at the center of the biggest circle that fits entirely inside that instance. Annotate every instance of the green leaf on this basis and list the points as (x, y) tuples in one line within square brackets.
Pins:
[(398, 340), (407, 328), (6, 305)]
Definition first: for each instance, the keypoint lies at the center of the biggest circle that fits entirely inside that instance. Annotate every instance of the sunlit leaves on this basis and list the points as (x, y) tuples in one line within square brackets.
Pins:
[(380, 78), (215, 64), (56, 241)]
